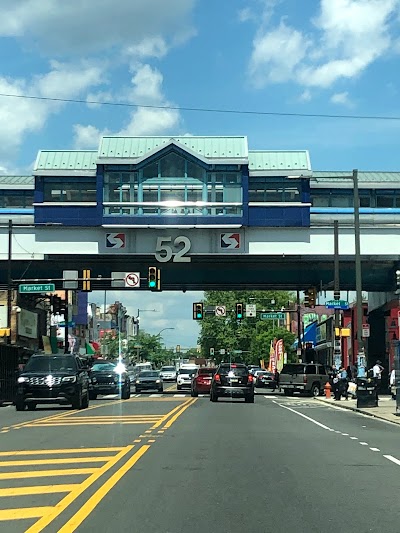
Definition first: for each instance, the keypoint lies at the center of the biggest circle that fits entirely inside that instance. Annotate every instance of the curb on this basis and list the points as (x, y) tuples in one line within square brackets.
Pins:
[(362, 411)]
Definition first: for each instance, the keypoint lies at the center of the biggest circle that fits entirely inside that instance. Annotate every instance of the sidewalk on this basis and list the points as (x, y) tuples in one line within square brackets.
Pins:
[(386, 409)]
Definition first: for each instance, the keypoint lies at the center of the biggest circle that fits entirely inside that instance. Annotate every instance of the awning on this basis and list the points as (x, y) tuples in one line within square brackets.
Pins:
[(309, 335)]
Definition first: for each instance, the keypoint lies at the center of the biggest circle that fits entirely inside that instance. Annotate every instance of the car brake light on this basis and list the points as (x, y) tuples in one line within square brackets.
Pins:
[(233, 365)]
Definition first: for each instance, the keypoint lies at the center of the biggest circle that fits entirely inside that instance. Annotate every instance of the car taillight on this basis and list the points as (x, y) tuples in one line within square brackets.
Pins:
[(217, 377)]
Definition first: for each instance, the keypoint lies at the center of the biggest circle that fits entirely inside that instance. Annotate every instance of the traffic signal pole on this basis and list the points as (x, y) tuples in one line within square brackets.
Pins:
[(299, 346), (9, 279)]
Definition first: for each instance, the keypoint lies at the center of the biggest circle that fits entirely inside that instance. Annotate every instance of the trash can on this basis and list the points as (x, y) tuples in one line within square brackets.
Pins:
[(367, 392)]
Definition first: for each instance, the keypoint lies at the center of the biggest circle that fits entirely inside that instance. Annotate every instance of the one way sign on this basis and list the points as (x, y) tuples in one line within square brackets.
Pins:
[(115, 240), (230, 241)]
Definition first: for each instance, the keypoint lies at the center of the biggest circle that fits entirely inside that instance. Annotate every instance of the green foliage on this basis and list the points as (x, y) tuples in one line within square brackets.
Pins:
[(250, 335)]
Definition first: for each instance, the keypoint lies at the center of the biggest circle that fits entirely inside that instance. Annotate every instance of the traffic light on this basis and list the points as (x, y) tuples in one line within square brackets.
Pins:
[(310, 297), (397, 281), (239, 311), (154, 279), (198, 311), (86, 284), (56, 304)]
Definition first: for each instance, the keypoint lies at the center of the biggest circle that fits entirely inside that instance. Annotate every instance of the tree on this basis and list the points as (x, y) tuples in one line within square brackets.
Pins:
[(241, 335)]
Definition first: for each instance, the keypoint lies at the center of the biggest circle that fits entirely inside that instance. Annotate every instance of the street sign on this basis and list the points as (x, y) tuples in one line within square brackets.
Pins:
[(66, 324), (37, 287), (365, 330), (222, 351), (132, 280), (220, 310), (272, 316), (72, 275), (337, 304), (251, 310)]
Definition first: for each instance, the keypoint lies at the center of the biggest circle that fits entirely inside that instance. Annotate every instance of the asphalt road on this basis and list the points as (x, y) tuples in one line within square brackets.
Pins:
[(176, 465)]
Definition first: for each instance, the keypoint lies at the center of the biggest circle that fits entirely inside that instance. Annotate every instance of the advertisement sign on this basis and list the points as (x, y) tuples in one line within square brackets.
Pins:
[(27, 324), (279, 357)]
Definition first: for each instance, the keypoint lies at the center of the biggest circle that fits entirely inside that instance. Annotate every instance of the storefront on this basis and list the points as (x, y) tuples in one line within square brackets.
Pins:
[(325, 342)]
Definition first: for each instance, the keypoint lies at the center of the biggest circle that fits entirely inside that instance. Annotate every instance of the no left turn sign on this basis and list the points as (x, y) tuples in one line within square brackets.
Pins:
[(132, 280), (220, 310)]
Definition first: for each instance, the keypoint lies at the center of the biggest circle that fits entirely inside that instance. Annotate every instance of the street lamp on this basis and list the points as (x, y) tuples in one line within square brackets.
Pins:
[(138, 314)]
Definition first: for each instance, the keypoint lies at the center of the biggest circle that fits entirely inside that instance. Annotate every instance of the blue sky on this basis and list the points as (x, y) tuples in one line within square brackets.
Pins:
[(318, 57)]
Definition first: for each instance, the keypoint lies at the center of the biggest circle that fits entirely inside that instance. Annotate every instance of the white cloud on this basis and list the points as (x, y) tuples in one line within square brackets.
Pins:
[(341, 99), (149, 47), (146, 85), (87, 137), (305, 96), (64, 27), (350, 35)]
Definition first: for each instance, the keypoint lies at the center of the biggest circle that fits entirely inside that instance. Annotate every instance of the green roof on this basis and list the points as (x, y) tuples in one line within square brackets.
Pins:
[(69, 160), (207, 147), (363, 177), (17, 180), (276, 160)]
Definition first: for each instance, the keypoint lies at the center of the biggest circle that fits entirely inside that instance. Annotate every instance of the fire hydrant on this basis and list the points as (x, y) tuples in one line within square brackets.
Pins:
[(327, 390)]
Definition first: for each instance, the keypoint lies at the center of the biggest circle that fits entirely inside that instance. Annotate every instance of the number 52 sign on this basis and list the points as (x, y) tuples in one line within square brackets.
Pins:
[(167, 249)]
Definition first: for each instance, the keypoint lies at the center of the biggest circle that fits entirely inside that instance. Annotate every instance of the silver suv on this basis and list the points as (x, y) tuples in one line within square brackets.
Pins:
[(303, 377)]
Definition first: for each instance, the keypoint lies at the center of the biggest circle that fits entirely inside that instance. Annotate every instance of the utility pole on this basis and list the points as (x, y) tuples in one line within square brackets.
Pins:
[(359, 304), (336, 296), (9, 279), (66, 318), (299, 345)]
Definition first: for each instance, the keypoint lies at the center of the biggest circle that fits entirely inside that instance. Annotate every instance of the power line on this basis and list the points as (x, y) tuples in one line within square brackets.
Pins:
[(201, 109)]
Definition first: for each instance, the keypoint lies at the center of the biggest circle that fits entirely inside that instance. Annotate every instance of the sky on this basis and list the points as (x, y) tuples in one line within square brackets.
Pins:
[(320, 57)]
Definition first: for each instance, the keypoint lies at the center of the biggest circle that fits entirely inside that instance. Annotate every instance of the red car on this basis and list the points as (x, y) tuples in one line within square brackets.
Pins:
[(201, 381)]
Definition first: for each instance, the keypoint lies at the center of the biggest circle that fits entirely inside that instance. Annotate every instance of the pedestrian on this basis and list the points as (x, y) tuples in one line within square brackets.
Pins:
[(335, 378), (344, 383), (276, 380), (392, 383), (377, 370)]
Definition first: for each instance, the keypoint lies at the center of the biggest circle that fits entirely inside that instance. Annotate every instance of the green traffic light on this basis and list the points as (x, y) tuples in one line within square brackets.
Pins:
[(198, 315), (239, 315), (152, 284)]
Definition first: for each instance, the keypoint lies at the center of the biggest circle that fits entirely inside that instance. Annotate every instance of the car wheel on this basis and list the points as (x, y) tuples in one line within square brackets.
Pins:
[(85, 401), (92, 395), (20, 406), (138, 391), (249, 399), (179, 387), (126, 393), (194, 393), (161, 390), (287, 392), (31, 406), (315, 391), (77, 401)]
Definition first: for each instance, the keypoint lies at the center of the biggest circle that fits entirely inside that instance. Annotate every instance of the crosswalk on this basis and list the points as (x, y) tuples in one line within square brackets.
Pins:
[(53, 477)]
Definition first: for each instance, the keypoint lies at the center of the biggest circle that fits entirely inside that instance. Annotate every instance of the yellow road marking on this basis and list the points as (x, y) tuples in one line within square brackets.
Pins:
[(151, 440), (62, 461), (183, 408), (94, 500), (54, 424), (161, 431), (24, 513), (71, 450), (165, 417), (37, 489), (137, 440), (69, 498), (48, 473), (172, 387)]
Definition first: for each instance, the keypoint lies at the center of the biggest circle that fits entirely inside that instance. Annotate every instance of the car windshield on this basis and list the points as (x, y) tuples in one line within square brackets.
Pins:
[(149, 374), (50, 364), (187, 371), (168, 369), (233, 370), (207, 371), (104, 368)]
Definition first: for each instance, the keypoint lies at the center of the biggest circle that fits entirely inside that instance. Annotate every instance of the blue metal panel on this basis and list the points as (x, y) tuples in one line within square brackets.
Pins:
[(279, 216), (168, 220), (68, 215)]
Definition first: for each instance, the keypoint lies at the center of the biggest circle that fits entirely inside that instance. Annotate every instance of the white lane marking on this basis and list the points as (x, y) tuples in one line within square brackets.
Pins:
[(375, 449), (155, 396), (393, 459), (179, 395), (363, 443), (345, 434), (304, 416), (354, 438), (338, 431), (272, 397)]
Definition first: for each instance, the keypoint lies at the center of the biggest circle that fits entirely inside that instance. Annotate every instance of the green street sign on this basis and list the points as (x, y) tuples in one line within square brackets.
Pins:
[(47, 287), (272, 316)]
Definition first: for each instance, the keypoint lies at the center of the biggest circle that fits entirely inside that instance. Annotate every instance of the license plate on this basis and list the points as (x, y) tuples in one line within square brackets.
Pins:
[(234, 380)]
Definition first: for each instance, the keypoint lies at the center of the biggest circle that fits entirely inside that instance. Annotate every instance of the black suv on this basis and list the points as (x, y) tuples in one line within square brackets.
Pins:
[(232, 380), (107, 377), (61, 379)]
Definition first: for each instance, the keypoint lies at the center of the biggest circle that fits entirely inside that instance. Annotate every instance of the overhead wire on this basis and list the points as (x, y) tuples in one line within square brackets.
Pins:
[(201, 109)]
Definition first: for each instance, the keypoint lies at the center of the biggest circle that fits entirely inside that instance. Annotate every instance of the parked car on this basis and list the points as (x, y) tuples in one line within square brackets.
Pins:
[(303, 377), (49, 379), (109, 378), (168, 373), (232, 380), (149, 380), (201, 381)]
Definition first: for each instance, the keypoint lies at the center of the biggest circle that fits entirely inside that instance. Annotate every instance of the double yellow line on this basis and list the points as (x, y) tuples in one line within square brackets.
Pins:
[(76, 520)]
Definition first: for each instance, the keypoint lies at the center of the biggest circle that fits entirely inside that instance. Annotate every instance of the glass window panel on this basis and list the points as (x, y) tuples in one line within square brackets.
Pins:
[(232, 178), (274, 195), (150, 194), (176, 194), (172, 166), (257, 195), (384, 201), (292, 194), (194, 194), (365, 201), (320, 200), (150, 171), (195, 171), (340, 200)]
